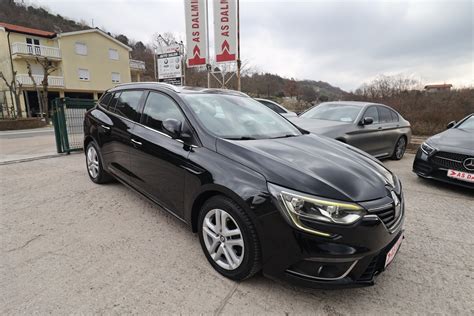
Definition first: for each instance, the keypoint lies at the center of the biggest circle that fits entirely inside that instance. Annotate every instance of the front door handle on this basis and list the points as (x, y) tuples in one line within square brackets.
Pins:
[(136, 142), (105, 127)]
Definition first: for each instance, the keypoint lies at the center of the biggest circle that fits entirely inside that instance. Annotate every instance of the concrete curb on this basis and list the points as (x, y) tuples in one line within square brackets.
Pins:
[(9, 162)]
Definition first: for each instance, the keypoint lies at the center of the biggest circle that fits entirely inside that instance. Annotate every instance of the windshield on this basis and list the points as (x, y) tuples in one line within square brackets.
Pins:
[(333, 112), (467, 124), (236, 117)]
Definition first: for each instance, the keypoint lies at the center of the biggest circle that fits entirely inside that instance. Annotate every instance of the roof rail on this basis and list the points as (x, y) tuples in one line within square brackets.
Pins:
[(225, 91), (165, 85)]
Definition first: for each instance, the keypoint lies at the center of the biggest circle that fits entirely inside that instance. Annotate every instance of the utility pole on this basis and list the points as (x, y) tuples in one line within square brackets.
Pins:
[(154, 63), (239, 63)]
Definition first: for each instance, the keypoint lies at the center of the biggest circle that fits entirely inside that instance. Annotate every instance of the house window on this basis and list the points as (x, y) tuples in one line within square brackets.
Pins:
[(81, 48), (33, 46), (83, 74), (113, 54), (115, 77)]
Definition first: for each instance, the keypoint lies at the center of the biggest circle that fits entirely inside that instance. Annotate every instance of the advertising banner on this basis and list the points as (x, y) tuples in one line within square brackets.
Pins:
[(225, 30), (196, 32)]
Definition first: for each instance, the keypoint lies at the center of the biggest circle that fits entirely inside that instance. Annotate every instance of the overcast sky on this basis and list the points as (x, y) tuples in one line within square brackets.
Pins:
[(344, 43)]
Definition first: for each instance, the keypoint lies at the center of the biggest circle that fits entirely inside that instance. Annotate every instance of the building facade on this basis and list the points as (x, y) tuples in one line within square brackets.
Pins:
[(80, 64)]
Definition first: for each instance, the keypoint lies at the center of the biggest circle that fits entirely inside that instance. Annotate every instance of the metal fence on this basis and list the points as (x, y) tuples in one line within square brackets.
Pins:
[(68, 121)]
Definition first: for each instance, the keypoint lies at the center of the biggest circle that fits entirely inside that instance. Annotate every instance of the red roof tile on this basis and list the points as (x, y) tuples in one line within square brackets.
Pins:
[(26, 30)]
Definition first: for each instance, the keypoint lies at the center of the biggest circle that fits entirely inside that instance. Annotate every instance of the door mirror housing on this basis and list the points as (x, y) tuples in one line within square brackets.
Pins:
[(451, 124), (367, 121), (172, 127)]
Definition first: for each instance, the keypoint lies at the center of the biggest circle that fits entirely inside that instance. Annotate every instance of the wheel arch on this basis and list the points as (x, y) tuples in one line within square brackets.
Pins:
[(210, 192), (87, 140)]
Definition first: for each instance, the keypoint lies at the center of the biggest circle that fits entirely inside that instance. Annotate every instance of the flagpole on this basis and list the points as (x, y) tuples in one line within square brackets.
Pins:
[(208, 65), (238, 46)]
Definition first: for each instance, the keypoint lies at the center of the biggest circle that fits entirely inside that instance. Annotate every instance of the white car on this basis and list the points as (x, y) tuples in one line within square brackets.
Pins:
[(276, 107)]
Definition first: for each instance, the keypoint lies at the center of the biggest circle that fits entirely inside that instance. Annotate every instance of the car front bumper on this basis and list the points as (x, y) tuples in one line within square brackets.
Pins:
[(425, 167), (352, 258)]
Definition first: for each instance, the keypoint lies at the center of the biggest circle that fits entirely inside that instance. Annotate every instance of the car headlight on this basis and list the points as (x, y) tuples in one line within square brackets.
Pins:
[(298, 207), (427, 149)]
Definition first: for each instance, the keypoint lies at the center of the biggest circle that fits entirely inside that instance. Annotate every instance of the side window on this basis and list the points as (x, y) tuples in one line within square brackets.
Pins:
[(104, 101), (113, 101), (373, 113), (128, 103), (272, 106), (384, 115), (159, 107), (394, 116)]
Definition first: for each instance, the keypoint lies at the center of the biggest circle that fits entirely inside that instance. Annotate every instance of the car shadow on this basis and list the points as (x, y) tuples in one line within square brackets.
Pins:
[(439, 185)]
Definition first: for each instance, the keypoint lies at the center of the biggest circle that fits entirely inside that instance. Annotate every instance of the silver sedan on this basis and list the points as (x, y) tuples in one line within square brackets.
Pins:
[(374, 128)]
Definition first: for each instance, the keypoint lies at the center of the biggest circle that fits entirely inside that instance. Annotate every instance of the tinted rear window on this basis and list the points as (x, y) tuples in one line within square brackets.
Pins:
[(106, 99), (394, 116), (128, 104), (272, 106), (384, 115)]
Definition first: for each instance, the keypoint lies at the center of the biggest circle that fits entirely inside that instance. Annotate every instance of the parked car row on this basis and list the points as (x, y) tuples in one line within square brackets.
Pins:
[(262, 193), (382, 132)]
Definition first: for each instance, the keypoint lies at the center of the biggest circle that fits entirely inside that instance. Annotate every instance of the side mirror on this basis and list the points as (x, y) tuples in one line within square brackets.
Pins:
[(172, 127), (451, 124), (367, 121)]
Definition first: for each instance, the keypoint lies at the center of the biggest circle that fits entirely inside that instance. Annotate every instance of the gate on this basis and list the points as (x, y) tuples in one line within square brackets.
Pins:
[(68, 121)]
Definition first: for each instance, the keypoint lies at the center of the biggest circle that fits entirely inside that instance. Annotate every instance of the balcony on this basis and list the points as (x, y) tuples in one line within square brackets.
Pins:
[(53, 81), (137, 65), (35, 50)]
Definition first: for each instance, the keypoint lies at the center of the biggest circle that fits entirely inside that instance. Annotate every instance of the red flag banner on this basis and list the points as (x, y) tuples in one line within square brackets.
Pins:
[(196, 32), (225, 30)]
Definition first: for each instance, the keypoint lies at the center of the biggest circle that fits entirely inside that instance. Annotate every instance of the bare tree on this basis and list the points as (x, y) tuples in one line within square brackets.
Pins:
[(15, 88), (48, 69)]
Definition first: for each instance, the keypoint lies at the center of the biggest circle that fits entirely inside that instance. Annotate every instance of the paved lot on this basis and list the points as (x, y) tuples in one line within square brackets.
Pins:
[(69, 246), (27, 144)]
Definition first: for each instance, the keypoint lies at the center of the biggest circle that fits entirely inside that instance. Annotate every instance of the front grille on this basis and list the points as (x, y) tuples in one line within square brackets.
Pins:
[(450, 160), (386, 214)]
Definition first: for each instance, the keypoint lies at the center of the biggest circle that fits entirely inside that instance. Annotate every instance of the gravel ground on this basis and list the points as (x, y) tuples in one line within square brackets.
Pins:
[(70, 246)]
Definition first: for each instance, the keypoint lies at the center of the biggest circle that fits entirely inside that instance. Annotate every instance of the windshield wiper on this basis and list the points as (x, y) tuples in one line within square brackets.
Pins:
[(240, 138), (285, 136)]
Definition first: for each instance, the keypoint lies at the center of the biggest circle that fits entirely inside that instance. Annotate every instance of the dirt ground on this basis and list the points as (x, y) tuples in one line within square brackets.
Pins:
[(70, 246)]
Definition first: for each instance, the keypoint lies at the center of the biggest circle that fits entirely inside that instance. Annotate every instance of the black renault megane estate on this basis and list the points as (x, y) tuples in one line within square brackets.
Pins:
[(262, 194), (449, 156)]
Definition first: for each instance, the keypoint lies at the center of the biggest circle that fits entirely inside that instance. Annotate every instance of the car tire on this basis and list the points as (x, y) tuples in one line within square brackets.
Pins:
[(94, 165), (400, 148), (232, 249)]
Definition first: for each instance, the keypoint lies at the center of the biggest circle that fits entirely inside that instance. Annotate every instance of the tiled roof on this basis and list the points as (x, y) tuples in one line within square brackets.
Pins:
[(435, 86), (26, 30)]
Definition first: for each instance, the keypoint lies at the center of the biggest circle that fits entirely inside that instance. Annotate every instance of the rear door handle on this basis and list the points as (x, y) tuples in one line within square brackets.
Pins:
[(105, 127), (136, 142)]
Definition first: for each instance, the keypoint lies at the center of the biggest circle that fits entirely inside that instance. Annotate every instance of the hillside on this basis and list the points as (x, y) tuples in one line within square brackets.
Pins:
[(39, 18)]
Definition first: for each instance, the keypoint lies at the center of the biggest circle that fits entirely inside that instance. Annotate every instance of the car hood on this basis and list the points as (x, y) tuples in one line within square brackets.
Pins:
[(312, 164), (454, 139), (322, 127)]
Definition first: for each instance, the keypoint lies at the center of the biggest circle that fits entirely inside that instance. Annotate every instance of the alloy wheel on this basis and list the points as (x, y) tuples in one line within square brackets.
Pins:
[(401, 146), (223, 239), (92, 162)]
